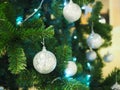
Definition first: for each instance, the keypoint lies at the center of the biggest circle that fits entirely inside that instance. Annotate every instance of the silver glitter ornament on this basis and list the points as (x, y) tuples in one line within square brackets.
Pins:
[(71, 12), (44, 61), (94, 40)]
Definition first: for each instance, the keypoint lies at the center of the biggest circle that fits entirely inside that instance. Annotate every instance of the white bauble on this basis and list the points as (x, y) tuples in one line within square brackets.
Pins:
[(102, 20), (71, 12), (71, 69), (44, 61), (116, 86), (2, 88), (94, 40), (91, 55), (108, 57)]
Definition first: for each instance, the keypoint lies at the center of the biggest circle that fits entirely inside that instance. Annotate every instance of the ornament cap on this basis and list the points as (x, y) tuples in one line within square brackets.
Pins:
[(71, 1), (44, 48)]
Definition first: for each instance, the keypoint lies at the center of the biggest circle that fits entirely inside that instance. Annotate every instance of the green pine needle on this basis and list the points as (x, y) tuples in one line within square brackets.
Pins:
[(17, 60)]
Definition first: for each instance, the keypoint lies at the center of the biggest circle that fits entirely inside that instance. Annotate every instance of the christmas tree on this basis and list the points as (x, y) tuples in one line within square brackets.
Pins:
[(67, 45)]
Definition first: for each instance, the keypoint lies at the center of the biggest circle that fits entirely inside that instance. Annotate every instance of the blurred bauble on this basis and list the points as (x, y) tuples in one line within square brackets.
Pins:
[(87, 8), (71, 69), (116, 86), (71, 12), (91, 55), (108, 57), (94, 40), (2, 88), (44, 61), (102, 20)]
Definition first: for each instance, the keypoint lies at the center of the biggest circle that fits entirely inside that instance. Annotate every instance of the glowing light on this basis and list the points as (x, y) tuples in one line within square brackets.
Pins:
[(88, 64), (65, 2), (39, 14), (74, 59), (83, 7), (19, 20), (88, 83), (35, 10), (67, 73), (88, 77), (75, 37)]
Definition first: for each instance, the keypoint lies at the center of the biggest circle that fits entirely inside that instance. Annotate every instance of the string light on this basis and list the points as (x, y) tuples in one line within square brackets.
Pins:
[(19, 20), (88, 77), (88, 64), (35, 11), (83, 7), (88, 83), (39, 14), (67, 73), (65, 2), (74, 59), (75, 37)]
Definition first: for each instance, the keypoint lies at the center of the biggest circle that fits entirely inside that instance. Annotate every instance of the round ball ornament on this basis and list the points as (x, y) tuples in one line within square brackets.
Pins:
[(71, 69), (102, 20), (108, 57), (116, 86), (71, 12), (91, 55), (94, 40), (44, 61)]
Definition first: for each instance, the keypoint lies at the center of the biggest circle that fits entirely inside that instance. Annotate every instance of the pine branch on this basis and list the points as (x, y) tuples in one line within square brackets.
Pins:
[(38, 33), (63, 54), (2, 15), (5, 35), (17, 60), (73, 84), (96, 12), (7, 12), (29, 77)]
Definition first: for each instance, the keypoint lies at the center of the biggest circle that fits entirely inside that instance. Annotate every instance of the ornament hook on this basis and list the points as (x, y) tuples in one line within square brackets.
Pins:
[(43, 43)]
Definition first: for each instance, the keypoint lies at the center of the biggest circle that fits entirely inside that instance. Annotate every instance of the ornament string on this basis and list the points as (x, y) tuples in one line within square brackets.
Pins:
[(43, 42), (92, 30), (33, 12)]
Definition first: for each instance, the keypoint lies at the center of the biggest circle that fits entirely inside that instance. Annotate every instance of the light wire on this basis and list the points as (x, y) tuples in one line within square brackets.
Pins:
[(34, 12)]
